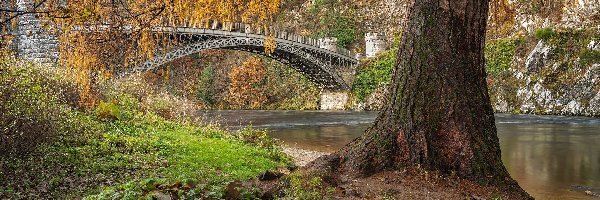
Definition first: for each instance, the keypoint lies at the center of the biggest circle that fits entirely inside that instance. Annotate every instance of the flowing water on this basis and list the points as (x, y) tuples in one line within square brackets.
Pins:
[(547, 155)]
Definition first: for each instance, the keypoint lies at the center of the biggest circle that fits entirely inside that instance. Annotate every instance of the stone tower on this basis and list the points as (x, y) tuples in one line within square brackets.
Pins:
[(375, 43), (33, 42)]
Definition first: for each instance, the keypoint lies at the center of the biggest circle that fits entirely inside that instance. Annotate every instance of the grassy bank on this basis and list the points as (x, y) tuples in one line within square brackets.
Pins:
[(120, 149)]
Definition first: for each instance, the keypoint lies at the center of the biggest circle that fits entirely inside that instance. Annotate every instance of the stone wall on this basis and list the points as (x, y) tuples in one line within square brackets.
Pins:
[(374, 43), (333, 100), (33, 41)]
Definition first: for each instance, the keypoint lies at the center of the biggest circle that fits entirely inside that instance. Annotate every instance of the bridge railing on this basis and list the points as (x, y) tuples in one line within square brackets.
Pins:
[(250, 29)]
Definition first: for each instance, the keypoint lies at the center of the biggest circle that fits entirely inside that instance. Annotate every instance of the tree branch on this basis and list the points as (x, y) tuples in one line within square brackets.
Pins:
[(20, 13)]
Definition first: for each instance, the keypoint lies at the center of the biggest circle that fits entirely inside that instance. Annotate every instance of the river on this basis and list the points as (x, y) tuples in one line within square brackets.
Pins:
[(547, 155)]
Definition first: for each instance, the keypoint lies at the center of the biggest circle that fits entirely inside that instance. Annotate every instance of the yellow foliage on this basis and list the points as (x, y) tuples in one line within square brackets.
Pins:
[(101, 36), (270, 45)]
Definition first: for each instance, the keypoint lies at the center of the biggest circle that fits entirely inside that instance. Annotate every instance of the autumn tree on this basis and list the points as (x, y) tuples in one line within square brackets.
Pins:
[(104, 36), (438, 113), (246, 84)]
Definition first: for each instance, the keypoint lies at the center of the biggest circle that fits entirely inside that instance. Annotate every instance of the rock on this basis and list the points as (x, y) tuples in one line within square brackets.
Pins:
[(572, 108), (351, 192), (543, 96), (594, 106), (232, 190), (538, 57), (501, 105), (163, 196), (593, 45), (595, 192), (269, 175), (302, 157)]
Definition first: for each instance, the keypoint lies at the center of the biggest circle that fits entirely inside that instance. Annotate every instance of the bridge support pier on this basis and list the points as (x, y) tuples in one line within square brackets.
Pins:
[(334, 100)]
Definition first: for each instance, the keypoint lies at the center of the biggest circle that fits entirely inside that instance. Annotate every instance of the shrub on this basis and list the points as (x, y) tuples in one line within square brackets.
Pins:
[(341, 27), (33, 106), (544, 33), (499, 54), (256, 137), (168, 106), (108, 111), (246, 85), (333, 22), (588, 56), (373, 74), (303, 187), (205, 90)]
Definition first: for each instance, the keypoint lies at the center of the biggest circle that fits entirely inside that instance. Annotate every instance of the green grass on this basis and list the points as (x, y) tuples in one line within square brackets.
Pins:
[(185, 154), (116, 150)]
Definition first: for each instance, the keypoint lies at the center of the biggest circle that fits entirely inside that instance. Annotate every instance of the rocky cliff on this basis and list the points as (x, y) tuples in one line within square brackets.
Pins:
[(553, 66), (544, 60)]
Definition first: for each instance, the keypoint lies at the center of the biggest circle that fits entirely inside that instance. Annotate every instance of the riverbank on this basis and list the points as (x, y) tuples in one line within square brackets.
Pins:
[(407, 183), (410, 183)]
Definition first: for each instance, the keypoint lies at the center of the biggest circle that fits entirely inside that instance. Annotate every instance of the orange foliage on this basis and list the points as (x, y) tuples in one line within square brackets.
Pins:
[(245, 89), (502, 17)]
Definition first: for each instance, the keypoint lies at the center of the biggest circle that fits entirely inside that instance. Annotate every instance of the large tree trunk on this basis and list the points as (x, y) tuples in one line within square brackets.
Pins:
[(438, 114)]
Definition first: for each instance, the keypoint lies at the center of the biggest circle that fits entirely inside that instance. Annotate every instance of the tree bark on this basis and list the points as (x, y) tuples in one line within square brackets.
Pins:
[(438, 113)]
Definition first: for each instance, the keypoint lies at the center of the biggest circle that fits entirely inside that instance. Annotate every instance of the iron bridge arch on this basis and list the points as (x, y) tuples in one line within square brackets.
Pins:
[(322, 66)]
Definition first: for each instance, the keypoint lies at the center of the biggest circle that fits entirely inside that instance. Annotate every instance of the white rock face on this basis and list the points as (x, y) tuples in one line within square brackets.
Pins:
[(594, 106), (501, 105), (572, 107), (576, 15), (538, 58), (582, 97), (543, 96), (333, 100)]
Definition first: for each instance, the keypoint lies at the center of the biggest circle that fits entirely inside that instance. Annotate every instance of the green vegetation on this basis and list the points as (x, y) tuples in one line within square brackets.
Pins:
[(288, 89), (31, 108), (309, 188), (588, 57), (499, 54), (335, 23), (341, 27), (205, 91), (119, 150), (544, 34), (571, 54), (375, 73)]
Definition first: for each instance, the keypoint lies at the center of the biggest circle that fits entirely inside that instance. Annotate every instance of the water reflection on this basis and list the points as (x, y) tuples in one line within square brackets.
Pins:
[(548, 158), (545, 154)]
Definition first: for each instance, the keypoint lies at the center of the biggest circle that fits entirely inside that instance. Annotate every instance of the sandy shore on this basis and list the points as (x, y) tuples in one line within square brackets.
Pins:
[(301, 156)]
